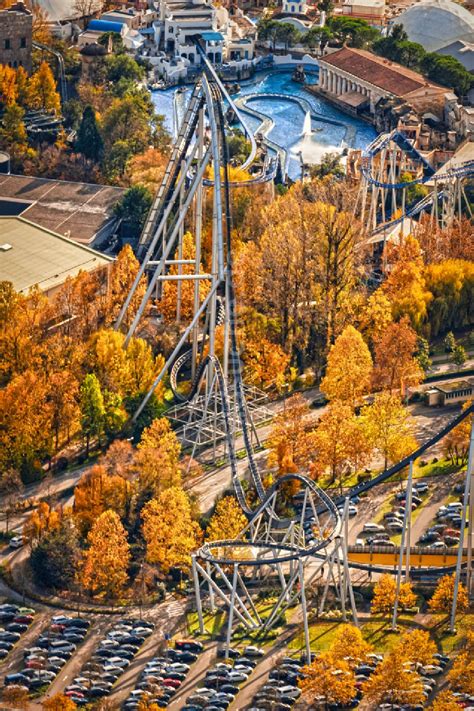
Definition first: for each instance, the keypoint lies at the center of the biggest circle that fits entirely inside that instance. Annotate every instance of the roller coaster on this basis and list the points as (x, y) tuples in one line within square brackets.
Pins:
[(275, 548), (391, 166)]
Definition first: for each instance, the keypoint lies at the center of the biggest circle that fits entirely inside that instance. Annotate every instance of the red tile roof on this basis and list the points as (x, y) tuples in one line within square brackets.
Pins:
[(387, 75)]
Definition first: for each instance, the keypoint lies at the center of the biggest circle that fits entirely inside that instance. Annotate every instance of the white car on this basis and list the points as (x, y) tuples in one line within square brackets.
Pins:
[(16, 542), (142, 631), (237, 677), (291, 691), (252, 651), (351, 509), (431, 670), (373, 527)]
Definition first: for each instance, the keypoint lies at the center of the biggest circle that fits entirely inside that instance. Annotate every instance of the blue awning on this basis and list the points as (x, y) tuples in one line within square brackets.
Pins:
[(212, 36), (105, 26)]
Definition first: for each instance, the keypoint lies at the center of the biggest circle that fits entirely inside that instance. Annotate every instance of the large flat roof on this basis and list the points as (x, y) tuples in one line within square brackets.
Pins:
[(31, 255), (380, 72), (76, 210)]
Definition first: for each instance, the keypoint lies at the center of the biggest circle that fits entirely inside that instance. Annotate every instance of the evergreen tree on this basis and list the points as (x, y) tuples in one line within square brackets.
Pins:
[(92, 408), (54, 559), (133, 208), (89, 141)]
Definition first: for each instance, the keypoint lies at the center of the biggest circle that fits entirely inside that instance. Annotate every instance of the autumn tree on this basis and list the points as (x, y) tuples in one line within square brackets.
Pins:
[(383, 600), (122, 275), (157, 458), (330, 677), (290, 443), (266, 364), (389, 426), (376, 316), (177, 301), (8, 85), (63, 395), (43, 93), (396, 367), (147, 168), (418, 646), (98, 491), (105, 564), (59, 702), (442, 598), (445, 701), (16, 697), (92, 409), (169, 530), (456, 442), (349, 368), (405, 285), (461, 674), (13, 136), (439, 244), (42, 520), (119, 459), (227, 520), (349, 644), (392, 683), (340, 442)]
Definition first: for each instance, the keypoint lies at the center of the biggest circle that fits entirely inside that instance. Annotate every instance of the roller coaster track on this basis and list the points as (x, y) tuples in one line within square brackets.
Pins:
[(61, 67)]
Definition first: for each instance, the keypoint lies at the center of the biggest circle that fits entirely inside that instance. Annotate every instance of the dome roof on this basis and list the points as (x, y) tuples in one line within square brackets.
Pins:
[(58, 9), (437, 23)]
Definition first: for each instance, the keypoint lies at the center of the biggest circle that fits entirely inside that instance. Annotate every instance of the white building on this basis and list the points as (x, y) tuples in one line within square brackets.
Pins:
[(227, 38)]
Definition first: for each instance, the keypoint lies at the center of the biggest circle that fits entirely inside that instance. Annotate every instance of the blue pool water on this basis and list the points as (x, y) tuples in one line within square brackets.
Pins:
[(288, 118)]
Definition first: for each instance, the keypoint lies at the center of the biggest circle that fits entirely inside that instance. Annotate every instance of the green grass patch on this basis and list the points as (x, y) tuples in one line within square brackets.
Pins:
[(213, 622), (438, 626)]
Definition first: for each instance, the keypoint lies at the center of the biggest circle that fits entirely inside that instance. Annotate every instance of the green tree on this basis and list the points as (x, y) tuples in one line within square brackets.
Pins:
[(423, 354), (357, 33), (330, 164), (447, 71), (133, 208), (13, 134), (122, 66), (92, 409), (54, 559), (459, 355), (89, 140), (449, 342)]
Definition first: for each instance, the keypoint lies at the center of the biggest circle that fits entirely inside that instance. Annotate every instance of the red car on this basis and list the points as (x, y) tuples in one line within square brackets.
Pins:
[(35, 664), (77, 694), (57, 628), (174, 683), (24, 619)]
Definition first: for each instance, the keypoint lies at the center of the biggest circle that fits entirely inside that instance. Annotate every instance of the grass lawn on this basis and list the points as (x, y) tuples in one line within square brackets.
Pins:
[(213, 623), (438, 626)]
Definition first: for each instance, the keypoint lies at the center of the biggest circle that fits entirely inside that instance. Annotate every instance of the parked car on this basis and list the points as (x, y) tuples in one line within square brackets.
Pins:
[(373, 527), (16, 542)]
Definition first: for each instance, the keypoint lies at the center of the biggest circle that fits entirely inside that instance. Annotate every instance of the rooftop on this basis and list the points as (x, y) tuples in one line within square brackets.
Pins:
[(31, 255), (105, 26), (454, 386), (76, 210), (380, 72)]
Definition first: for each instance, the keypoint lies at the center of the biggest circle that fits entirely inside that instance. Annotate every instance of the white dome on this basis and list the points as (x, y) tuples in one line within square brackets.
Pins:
[(58, 9), (437, 23)]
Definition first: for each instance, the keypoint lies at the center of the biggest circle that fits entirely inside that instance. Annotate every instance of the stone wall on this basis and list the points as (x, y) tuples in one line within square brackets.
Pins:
[(16, 38)]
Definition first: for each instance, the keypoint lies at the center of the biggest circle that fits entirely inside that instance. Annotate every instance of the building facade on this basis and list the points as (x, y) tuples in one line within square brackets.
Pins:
[(16, 36)]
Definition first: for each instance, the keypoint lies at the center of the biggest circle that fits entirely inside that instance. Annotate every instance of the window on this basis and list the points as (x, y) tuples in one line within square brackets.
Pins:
[(7, 44), (23, 42)]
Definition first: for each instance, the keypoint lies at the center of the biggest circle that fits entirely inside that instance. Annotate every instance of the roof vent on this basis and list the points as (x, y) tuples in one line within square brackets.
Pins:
[(5, 247)]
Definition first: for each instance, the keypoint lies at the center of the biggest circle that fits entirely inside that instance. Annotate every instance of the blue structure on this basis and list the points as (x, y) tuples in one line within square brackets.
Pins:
[(105, 26)]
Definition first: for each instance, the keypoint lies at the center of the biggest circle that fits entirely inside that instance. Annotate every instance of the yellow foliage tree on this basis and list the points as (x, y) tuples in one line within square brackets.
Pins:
[(158, 457), (177, 302), (388, 425), (8, 85), (105, 564), (392, 683), (43, 93), (383, 600), (396, 367), (42, 520), (59, 702), (227, 520), (461, 675), (443, 595), (16, 697), (445, 701), (98, 491), (147, 168), (349, 368), (266, 364), (349, 644), (328, 676), (291, 445), (169, 530), (122, 275), (405, 285), (376, 316), (418, 646)]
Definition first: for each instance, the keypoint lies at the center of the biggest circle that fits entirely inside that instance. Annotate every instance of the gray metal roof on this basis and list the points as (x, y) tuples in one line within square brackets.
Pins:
[(31, 255)]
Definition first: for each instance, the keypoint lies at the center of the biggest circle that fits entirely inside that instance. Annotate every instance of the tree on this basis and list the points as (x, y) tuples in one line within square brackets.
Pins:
[(328, 677), (98, 491), (456, 442), (357, 33), (119, 460), (41, 521), (350, 645), (133, 209), (266, 364), (122, 66), (227, 520), (349, 368), (13, 134), (459, 356), (389, 427), (59, 702), (87, 8), (423, 354), (330, 164), (396, 366), (405, 286), (10, 491), (8, 85), (383, 600), (54, 558), (185, 289), (169, 530), (290, 444), (122, 275), (62, 397), (418, 647), (442, 598), (340, 441), (461, 675), (92, 409), (158, 458), (17, 697), (105, 564), (445, 701), (393, 683), (89, 140), (147, 168), (43, 91), (447, 71), (449, 342)]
